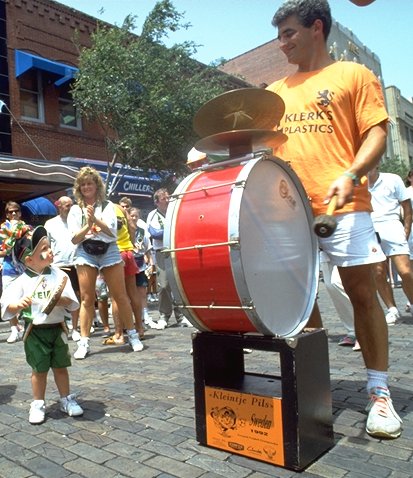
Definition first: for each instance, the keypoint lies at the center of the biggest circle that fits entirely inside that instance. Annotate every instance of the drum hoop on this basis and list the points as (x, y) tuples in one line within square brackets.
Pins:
[(236, 257), (172, 270)]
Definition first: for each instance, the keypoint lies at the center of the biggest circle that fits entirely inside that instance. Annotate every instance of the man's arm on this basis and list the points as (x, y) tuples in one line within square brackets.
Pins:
[(367, 157), (407, 216)]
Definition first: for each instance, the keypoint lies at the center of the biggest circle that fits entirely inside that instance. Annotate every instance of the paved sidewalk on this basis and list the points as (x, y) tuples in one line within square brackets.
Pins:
[(139, 413)]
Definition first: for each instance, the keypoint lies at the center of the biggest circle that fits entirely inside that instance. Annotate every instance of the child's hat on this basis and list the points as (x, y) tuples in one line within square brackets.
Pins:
[(26, 245)]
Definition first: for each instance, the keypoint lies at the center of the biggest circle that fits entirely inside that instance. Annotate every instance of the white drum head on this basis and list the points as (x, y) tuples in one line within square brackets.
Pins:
[(276, 266)]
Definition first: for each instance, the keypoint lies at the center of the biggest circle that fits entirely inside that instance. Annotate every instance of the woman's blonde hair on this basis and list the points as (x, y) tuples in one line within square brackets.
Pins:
[(84, 174)]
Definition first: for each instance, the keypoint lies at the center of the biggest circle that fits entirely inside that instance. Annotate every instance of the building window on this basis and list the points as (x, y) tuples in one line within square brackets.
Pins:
[(68, 115), (409, 134), (31, 97)]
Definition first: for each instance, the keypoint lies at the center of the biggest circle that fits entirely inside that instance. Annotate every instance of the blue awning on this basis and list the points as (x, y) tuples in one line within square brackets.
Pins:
[(40, 207), (25, 61)]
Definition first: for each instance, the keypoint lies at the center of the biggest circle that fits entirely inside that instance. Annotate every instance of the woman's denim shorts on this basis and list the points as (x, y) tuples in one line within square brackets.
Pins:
[(109, 258)]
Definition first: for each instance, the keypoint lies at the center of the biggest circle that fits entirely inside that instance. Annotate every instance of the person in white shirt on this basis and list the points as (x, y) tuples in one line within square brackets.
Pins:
[(42, 295), (93, 229), (389, 198), (156, 225), (63, 251), (341, 301)]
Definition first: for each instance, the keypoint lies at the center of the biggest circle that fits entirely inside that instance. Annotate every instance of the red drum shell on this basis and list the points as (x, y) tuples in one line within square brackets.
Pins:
[(241, 254)]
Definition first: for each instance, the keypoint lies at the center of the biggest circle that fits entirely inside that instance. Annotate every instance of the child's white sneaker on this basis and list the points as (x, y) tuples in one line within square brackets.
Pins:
[(37, 412), (70, 406)]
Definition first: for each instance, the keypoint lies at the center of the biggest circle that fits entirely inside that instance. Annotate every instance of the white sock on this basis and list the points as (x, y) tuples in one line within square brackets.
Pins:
[(375, 378)]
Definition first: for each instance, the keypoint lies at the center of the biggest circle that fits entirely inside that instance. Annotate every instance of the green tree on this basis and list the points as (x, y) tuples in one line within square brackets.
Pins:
[(143, 94)]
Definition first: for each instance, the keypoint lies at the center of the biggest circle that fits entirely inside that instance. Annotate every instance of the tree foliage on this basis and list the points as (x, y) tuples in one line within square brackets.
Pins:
[(143, 94)]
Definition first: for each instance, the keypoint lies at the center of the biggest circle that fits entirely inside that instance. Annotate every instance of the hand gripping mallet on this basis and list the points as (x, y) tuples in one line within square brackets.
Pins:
[(325, 224)]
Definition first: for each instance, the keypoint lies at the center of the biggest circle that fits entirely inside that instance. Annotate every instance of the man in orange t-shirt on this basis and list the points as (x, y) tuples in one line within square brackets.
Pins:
[(335, 120)]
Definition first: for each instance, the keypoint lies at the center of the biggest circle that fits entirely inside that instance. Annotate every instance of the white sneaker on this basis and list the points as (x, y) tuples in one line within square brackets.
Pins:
[(147, 320), (408, 307), (70, 406), (184, 322), (382, 421), (161, 324), (392, 316), (83, 349), (15, 335), (152, 324), (37, 412), (134, 342), (75, 335)]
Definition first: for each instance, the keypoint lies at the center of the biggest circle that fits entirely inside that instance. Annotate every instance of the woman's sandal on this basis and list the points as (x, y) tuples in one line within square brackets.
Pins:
[(113, 341), (106, 333)]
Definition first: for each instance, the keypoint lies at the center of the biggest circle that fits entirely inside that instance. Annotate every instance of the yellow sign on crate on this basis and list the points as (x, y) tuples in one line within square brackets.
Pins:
[(244, 423)]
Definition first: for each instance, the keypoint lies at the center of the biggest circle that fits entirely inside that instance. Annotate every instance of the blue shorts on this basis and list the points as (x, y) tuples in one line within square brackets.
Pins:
[(109, 258), (142, 280), (354, 242)]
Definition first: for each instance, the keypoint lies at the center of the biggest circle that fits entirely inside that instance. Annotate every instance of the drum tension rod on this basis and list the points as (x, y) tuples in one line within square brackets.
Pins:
[(212, 306), (232, 183), (201, 246)]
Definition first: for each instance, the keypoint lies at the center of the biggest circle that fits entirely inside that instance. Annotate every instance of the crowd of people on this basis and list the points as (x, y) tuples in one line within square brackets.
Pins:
[(100, 254)]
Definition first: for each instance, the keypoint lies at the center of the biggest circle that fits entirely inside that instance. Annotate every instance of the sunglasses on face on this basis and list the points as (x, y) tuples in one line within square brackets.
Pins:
[(14, 211)]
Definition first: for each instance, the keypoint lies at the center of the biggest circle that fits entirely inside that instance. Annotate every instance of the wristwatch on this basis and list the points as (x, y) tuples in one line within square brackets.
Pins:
[(353, 177)]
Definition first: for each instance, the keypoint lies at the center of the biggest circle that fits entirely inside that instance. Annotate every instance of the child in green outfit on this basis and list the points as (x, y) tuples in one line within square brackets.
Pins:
[(45, 339)]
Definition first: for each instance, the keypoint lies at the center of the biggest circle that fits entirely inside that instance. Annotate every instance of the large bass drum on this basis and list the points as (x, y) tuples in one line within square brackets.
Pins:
[(241, 255)]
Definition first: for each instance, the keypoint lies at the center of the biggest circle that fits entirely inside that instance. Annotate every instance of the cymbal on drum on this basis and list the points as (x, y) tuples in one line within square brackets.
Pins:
[(242, 109), (240, 142)]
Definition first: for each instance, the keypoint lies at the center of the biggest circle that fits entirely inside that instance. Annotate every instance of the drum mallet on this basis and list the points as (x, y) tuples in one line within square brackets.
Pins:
[(325, 224)]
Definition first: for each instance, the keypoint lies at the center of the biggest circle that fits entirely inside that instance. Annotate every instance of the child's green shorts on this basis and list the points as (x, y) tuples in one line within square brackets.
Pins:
[(47, 347)]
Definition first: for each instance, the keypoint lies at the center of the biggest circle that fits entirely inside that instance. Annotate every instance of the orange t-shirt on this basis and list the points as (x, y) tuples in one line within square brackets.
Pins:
[(327, 112)]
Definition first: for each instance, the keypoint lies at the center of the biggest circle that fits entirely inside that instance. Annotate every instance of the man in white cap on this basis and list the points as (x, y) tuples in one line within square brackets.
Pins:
[(196, 159)]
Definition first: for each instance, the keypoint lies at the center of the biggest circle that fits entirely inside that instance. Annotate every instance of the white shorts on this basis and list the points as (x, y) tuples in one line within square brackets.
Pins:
[(410, 242), (354, 242), (392, 238)]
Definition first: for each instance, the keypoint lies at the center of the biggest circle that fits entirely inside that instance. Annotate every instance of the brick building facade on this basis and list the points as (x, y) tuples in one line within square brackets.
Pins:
[(46, 30), (263, 64)]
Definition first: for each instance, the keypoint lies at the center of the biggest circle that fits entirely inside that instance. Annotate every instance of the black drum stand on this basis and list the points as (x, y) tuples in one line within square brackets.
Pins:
[(284, 418)]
